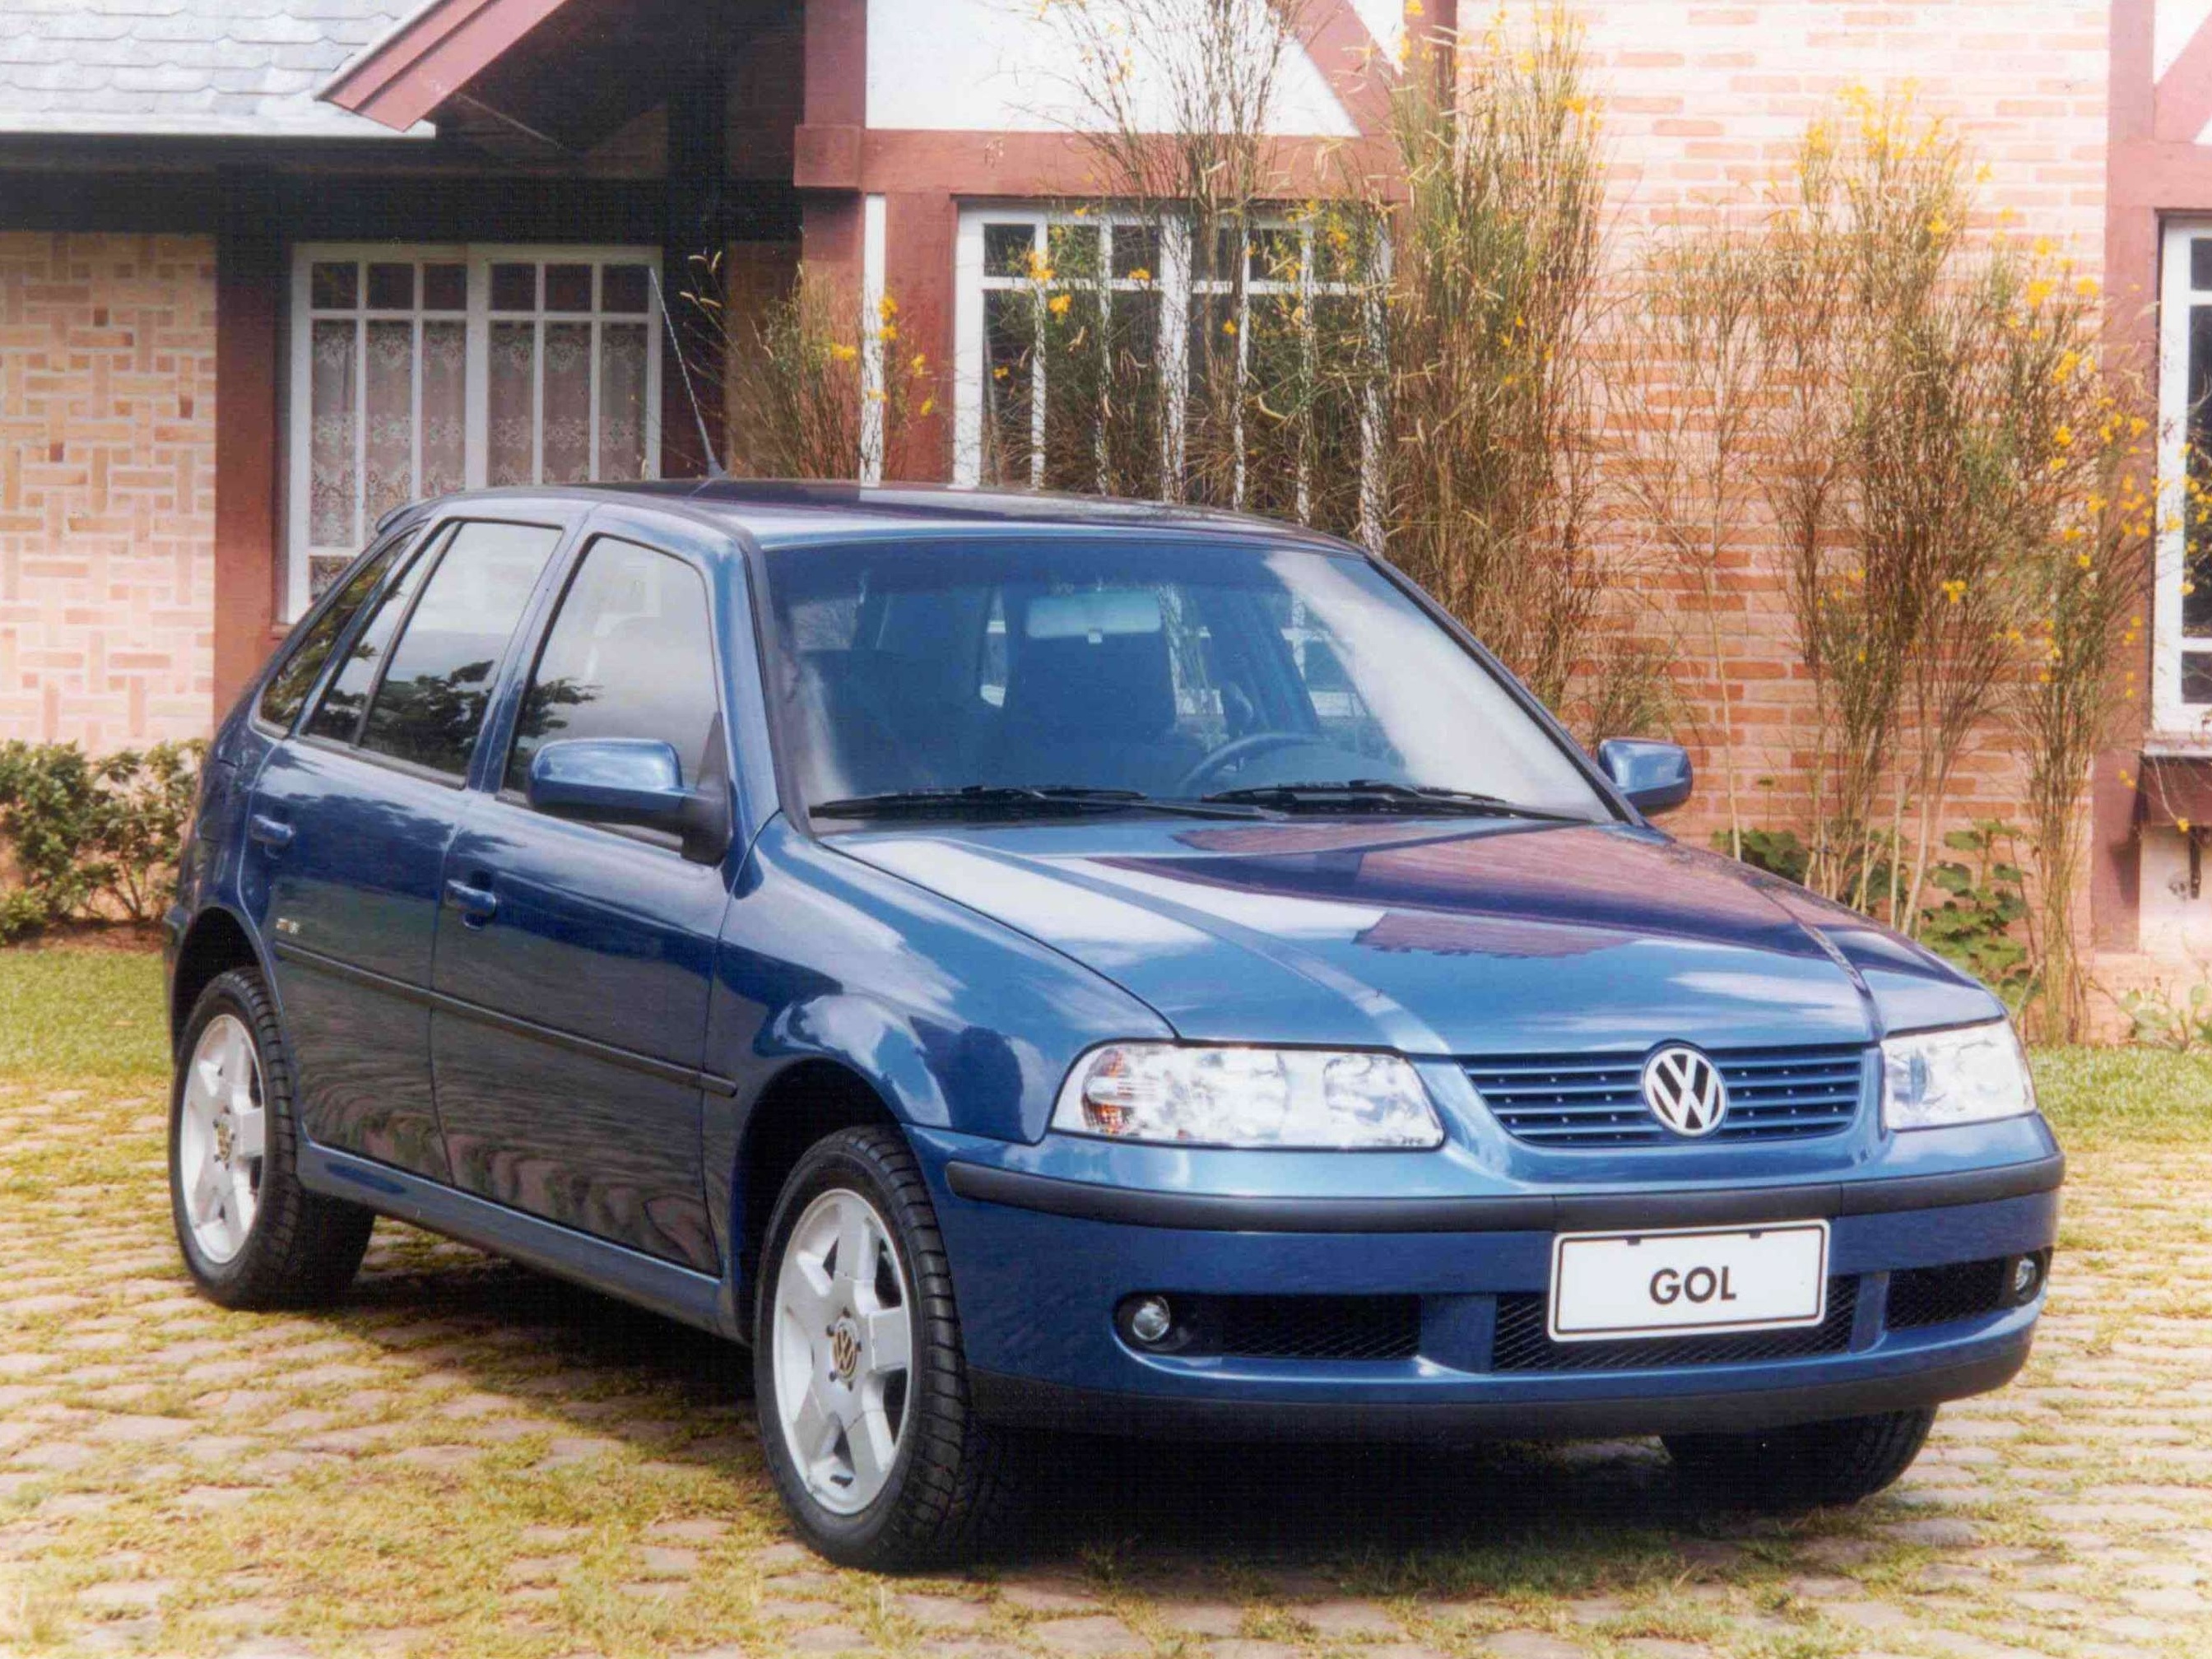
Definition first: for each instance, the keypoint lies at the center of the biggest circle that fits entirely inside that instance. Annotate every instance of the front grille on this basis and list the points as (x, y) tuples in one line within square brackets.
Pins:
[(1523, 1344), (1597, 1100), (1299, 1326), (1936, 1296)]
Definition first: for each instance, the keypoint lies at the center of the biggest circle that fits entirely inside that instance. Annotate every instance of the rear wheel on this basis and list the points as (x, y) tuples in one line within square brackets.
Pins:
[(251, 1235), (1805, 1465), (857, 1369)]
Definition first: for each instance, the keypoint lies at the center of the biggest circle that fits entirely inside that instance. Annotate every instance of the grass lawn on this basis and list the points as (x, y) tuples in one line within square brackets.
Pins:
[(467, 1459)]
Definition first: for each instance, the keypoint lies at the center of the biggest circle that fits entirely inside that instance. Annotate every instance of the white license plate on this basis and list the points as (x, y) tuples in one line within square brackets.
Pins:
[(1607, 1286)]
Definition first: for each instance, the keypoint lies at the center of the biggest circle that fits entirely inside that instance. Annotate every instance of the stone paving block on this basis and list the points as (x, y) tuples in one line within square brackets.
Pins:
[(1347, 1618), (941, 1612), (1200, 1618), (1529, 1645), (1088, 1637)]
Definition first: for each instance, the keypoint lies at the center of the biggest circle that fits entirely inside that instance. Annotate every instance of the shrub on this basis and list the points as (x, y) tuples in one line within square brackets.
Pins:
[(91, 837)]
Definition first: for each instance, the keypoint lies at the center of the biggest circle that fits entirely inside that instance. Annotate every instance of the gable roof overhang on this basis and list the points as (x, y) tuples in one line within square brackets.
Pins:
[(430, 56)]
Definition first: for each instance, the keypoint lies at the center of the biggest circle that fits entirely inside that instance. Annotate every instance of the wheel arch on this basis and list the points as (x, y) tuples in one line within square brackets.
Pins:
[(214, 943), (806, 1101)]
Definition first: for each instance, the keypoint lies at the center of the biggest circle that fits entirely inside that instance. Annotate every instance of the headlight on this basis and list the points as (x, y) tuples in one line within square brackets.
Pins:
[(1932, 1080), (1224, 1096)]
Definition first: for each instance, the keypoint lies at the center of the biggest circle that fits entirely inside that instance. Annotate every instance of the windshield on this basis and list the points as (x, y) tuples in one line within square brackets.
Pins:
[(1170, 669)]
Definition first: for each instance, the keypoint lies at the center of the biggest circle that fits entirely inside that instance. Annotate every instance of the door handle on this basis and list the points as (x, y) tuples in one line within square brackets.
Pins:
[(273, 833), (478, 905)]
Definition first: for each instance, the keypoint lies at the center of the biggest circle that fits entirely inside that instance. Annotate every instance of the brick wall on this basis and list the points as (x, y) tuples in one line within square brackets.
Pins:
[(106, 486), (1703, 104)]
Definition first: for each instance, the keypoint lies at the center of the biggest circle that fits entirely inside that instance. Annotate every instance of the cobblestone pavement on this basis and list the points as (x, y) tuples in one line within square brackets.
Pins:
[(468, 1459)]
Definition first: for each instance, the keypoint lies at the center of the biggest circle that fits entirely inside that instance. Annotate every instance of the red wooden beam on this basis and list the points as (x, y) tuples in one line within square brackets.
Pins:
[(432, 55)]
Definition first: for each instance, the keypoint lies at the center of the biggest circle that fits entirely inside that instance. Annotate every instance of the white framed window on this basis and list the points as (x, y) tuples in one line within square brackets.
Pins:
[(416, 371), (1089, 347), (2181, 668)]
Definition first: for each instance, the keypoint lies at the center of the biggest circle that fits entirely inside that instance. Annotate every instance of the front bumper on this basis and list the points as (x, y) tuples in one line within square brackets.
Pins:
[(1041, 1263)]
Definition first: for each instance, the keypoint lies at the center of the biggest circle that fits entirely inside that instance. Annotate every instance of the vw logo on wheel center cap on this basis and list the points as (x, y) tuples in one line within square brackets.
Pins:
[(1683, 1089), (845, 1348)]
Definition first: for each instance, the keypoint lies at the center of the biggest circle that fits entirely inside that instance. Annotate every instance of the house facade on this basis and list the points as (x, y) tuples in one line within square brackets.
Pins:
[(269, 267)]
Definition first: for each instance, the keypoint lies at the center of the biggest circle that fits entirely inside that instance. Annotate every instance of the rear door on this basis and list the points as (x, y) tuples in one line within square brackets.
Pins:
[(350, 820), (574, 959)]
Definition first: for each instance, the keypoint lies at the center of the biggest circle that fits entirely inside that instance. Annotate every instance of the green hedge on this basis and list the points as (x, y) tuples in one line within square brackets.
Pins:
[(91, 838)]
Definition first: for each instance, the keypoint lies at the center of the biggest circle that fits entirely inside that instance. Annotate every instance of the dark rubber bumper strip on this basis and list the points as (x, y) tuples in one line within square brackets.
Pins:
[(1131, 1207)]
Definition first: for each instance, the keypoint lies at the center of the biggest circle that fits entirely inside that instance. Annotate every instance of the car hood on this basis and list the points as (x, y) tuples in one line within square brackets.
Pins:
[(1439, 938)]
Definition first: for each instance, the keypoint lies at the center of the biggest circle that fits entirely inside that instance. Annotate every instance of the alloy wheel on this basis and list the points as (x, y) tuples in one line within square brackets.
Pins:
[(221, 1136), (843, 1349)]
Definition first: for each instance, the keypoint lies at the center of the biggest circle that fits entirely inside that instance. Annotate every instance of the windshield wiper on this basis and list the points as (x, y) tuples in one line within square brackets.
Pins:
[(1023, 800), (1379, 795)]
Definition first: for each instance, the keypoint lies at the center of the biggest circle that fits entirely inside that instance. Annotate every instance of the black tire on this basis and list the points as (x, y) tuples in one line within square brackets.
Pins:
[(1805, 1466), (301, 1249), (951, 1482)]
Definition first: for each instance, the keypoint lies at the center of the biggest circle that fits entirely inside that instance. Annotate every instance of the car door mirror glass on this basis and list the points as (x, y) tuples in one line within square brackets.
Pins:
[(1656, 776)]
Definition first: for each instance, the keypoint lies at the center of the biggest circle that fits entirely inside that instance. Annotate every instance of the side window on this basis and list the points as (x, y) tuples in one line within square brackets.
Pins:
[(338, 716), (286, 694), (431, 703), (629, 655)]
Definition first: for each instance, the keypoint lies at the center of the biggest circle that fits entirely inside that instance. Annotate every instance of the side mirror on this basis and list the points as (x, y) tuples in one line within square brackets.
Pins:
[(1655, 776), (632, 781)]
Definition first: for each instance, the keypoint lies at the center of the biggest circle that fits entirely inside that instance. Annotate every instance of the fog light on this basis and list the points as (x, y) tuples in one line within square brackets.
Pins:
[(2026, 1274), (1150, 1319)]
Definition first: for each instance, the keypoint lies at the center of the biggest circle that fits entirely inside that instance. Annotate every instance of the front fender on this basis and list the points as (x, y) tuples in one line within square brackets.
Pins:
[(955, 1021)]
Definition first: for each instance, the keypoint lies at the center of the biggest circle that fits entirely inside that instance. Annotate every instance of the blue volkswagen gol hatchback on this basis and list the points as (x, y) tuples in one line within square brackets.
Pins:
[(1020, 963)]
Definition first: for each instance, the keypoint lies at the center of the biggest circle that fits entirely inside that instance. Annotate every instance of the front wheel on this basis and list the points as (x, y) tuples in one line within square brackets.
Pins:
[(857, 1369), (1807, 1465)]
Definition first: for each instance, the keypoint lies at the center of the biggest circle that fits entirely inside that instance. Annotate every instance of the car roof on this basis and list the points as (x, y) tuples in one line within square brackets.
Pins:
[(786, 513)]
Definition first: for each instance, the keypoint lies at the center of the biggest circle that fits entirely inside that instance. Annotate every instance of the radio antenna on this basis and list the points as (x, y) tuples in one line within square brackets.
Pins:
[(714, 469)]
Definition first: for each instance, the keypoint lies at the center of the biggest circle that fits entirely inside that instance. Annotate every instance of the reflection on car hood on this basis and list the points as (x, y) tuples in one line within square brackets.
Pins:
[(1439, 937)]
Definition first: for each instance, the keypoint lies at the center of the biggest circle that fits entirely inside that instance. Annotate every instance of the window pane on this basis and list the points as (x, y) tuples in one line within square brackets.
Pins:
[(432, 702), (568, 287), (512, 427), (332, 285), (1009, 334), (445, 407), (1007, 249), (337, 717), (2196, 534), (2200, 262), (1076, 367), (1136, 252), (1072, 250), (624, 287), (287, 691), (629, 656), (1214, 394), (567, 430), (515, 287), (1135, 436), (622, 400), (2196, 676), (323, 570), (390, 388), (1336, 466), (391, 288), (1274, 256), (444, 288), (332, 486)]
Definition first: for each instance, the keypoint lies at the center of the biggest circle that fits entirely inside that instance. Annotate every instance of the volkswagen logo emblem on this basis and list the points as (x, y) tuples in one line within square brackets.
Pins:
[(1684, 1090)]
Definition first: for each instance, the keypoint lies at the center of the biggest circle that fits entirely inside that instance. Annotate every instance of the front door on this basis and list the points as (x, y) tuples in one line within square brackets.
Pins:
[(351, 818), (573, 960)]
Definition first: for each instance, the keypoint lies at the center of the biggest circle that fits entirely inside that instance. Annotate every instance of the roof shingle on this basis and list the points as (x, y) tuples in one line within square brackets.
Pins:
[(187, 68)]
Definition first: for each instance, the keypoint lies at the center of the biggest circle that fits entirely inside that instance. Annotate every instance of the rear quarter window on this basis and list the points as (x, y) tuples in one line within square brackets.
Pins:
[(286, 694)]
